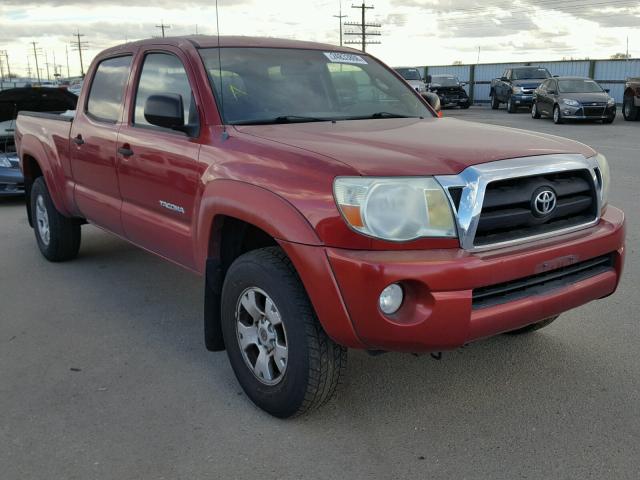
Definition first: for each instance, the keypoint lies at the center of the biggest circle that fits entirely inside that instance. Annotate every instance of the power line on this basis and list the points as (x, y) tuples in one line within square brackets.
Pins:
[(162, 27), (340, 16), (79, 46), (364, 27)]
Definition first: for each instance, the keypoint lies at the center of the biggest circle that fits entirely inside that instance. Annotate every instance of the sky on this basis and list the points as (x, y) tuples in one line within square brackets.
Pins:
[(413, 32)]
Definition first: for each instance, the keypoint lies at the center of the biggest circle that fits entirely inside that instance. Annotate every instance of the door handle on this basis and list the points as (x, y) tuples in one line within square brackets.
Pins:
[(125, 152), (78, 140)]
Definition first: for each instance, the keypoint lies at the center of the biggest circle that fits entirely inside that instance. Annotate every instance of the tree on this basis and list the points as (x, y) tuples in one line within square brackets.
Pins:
[(620, 56), (457, 62)]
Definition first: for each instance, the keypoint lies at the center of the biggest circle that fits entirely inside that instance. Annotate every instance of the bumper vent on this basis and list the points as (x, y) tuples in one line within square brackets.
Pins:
[(540, 284)]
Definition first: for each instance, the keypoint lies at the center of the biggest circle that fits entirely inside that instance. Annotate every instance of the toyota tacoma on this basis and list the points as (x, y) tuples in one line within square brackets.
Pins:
[(323, 201)]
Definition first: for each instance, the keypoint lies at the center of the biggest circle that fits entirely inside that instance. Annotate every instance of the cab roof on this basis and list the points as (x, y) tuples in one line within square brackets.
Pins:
[(208, 41)]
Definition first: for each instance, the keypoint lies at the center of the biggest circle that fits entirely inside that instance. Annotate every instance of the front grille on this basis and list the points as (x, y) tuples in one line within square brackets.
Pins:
[(508, 212), (541, 283), (593, 111)]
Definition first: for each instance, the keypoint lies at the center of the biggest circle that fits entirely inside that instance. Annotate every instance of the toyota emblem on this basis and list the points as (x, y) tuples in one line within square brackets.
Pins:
[(543, 202)]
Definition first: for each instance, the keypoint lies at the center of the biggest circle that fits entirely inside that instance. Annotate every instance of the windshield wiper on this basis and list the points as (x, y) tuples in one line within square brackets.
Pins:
[(283, 119), (382, 115)]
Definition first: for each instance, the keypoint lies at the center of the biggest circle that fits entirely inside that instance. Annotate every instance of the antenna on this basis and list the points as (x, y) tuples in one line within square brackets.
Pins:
[(225, 135)]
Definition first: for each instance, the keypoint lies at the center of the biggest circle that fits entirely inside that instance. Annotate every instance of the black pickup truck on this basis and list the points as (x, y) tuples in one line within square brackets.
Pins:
[(631, 103), (516, 87)]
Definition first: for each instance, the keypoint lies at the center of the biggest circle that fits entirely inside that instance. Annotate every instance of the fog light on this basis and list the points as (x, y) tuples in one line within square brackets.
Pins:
[(391, 299)]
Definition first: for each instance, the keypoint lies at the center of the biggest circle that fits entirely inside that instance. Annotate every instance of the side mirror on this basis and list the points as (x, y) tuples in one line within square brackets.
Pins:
[(427, 79), (165, 110), (433, 100), (504, 79), (463, 84), (551, 92), (607, 90)]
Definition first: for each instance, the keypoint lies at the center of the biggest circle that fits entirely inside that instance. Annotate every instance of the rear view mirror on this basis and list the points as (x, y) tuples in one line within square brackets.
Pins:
[(433, 100), (165, 110)]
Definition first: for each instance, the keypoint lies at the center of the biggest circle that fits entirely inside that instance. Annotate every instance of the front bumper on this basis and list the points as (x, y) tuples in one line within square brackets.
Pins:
[(578, 113), (522, 99), (11, 182), (438, 312)]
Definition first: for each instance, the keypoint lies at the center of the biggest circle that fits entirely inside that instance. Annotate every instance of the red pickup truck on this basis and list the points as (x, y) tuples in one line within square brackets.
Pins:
[(325, 203)]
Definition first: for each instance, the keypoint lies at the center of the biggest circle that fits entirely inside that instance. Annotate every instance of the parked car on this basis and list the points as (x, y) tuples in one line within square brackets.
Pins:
[(11, 102), (516, 87), (75, 87), (631, 103), (325, 203), (450, 90), (573, 98), (413, 76)]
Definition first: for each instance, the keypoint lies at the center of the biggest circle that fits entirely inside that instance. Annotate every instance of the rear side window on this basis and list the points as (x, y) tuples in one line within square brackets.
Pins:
[(107, 89), (164, 73)]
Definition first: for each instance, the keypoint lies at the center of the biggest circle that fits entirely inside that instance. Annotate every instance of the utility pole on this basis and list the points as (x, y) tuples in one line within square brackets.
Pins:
[(5, 54), (28, 68), (35, 54), (363, 26), (46, 64), (478, 62), (79, 45), (340, 16), (1, 73), (66, 51), (162, 27)]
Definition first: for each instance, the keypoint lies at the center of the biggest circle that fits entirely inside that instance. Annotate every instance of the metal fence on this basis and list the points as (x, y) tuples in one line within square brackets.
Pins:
[(611, 74)]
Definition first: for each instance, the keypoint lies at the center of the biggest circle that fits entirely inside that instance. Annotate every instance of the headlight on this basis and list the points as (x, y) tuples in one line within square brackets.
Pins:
[(4, 162), (396, 209), (570, 102), (605, 178), (611, 102), (516, 89)]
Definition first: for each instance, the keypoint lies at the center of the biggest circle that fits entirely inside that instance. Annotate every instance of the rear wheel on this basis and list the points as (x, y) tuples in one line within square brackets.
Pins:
[(629, 110), (534, 111), (533, 327), (58, 236), (557, 115), (283, 359), (495, 104)]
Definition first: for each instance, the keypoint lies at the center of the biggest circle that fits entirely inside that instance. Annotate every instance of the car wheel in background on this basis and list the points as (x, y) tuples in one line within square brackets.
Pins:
[(533, 327), (465, 106), (495, 104), (557, 115), (629, 111), (608, 120), (534, 111), (58, 236), (511, 107), (282, 357)]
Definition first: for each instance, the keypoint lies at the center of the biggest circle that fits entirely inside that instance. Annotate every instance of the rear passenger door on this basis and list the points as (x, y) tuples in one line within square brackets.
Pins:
[(159, 170), (93, 143)]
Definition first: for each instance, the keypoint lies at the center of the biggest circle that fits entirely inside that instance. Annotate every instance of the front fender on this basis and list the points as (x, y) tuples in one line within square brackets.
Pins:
[(253, 204)]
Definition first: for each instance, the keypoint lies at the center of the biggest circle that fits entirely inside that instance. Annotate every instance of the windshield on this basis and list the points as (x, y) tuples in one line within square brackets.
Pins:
[(579, 86), (275, 85), (409, 73), (442, 81), (529, 73)]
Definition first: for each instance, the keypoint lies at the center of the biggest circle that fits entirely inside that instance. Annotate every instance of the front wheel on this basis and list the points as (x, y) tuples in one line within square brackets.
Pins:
[(58, 236), (282, 357), (495, 103), (511, 106), (535, 113), (629, 111), (557, 115)]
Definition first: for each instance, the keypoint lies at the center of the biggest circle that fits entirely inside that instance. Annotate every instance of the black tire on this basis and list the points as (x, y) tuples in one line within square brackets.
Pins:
[(609, 120), (314, 363), (495, 104), (630, 112), (63, 240), (465, 106), (557, 115), (535, 113), (511, 107), (533, 327)]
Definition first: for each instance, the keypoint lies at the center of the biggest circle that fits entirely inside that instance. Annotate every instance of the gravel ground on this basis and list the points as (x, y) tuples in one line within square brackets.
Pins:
[(103, 374)]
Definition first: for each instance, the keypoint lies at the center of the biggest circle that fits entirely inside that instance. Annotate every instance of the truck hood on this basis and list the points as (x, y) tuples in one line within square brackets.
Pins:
[(409, 146)]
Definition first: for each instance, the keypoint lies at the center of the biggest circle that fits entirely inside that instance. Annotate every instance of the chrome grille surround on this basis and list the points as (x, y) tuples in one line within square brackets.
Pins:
[(474, 180)]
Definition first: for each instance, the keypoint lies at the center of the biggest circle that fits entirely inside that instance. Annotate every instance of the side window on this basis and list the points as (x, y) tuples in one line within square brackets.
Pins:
[(164, 73), (107, 89)]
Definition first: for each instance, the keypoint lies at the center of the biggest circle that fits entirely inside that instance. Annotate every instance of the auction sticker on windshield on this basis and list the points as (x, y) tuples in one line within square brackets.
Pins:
[(339, 57)]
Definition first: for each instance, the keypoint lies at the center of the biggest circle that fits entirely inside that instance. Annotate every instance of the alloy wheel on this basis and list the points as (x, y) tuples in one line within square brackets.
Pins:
[(42, 219)]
